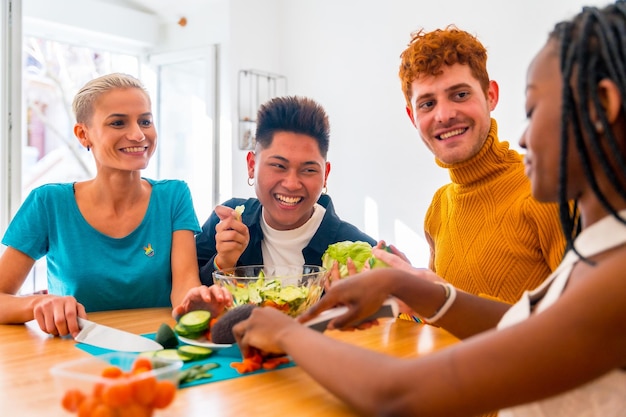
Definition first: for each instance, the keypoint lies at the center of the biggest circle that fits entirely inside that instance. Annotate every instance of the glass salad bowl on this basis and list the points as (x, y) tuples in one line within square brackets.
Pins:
[(289, 288)]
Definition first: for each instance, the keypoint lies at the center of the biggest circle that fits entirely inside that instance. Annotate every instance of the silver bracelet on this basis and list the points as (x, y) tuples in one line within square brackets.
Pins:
[(450, 297)]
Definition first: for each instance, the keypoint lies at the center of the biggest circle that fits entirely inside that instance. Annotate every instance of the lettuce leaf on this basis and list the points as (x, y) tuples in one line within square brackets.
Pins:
[(360, 253)]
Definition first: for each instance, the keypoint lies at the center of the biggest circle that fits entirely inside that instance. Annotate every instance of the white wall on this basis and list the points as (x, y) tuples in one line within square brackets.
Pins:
[(345, 54), (93, 22)]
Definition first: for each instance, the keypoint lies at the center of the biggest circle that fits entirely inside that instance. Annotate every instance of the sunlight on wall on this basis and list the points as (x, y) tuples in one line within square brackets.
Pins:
[(412, 244), (370, 214)]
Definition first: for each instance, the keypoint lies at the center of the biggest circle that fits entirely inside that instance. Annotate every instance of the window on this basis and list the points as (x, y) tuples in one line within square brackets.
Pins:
[(186, 121), (55, 63), (53, 72)]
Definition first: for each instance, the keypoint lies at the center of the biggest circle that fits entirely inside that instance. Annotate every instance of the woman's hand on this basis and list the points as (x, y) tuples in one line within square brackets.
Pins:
[(362, 294), (231, 236), (262, 331), (58, 315), (214, 299)]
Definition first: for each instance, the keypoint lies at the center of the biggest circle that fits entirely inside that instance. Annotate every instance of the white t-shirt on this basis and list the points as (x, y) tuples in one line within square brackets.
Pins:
[(284, 247)]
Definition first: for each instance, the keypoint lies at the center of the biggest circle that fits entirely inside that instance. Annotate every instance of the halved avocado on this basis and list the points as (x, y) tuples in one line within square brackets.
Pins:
[(166, 337)]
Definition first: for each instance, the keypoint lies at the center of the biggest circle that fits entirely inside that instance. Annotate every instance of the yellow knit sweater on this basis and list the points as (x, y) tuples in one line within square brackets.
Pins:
[(488, 235)]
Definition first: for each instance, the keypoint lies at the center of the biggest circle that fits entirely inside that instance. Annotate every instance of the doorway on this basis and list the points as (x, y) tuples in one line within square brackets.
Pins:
[(187, 122)]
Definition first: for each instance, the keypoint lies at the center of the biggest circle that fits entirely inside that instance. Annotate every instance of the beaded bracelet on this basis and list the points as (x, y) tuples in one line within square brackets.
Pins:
[(450, 297), (410, 317), (215, 265)]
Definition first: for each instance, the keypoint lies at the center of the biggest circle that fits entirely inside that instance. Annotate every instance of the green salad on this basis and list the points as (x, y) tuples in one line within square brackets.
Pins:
[(291, 299)]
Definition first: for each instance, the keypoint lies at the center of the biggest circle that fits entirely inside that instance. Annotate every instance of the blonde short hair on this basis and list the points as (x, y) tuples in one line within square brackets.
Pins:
[(89, 93)]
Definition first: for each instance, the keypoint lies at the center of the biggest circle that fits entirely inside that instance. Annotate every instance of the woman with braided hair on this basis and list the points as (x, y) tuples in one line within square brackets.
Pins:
[(561, 349)]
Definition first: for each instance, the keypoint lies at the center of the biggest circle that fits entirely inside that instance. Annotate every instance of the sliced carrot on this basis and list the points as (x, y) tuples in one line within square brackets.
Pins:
[(98, 389), (87, 406), (256, 362), (165, 392), (72, 399), (141, 364), (273, 363), (269, 303), (284, 307), (245, 366), (112, 371), (144, 390), (117, 395), (103, 410), (135, 410), (249, 364), (128, 394)]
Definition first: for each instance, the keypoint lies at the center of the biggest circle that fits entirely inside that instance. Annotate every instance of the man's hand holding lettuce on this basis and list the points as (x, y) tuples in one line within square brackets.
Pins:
[(359, 252)]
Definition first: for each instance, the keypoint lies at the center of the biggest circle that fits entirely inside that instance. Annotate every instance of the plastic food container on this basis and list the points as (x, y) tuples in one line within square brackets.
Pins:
[(117, 382)]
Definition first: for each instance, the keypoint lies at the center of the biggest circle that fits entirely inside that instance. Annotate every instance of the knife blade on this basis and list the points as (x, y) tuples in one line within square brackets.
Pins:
[(114, 339), (388, 309)]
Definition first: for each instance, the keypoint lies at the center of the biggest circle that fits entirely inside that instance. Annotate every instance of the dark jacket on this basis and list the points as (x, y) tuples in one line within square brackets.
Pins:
[(331, 230)]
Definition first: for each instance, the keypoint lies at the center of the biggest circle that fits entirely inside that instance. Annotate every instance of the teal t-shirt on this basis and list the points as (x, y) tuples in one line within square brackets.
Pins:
[(101, 272)]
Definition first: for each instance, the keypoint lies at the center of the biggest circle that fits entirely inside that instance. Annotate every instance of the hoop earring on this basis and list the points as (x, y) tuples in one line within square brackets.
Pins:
[(250, 181)]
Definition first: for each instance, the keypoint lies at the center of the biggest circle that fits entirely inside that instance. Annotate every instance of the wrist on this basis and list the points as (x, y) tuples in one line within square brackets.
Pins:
[(220, 264), (289, 335), (450, 297), (216, 266), (399, 283)]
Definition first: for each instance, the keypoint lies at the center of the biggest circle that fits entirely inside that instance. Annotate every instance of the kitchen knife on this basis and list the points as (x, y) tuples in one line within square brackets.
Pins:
[(388, 309), (114, 339)]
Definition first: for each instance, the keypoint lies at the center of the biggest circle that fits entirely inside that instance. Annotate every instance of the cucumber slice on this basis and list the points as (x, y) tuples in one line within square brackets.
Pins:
[(166, 337), (197, 372), (182, 331), (195, 352), (195, 321), (172, 354)]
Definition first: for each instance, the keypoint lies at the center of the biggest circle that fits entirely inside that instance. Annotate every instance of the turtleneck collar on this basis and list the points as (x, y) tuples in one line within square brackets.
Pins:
[(493, 158)]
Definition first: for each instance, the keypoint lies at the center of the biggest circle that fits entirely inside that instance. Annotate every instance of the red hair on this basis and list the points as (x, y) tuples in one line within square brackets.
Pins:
[(429, 51)]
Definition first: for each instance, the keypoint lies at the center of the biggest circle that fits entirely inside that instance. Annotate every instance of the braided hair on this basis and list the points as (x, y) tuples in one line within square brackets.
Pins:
[(592, 48)]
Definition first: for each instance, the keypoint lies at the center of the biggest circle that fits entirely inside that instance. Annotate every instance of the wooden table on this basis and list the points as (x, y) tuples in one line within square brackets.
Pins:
[(27, 354)]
